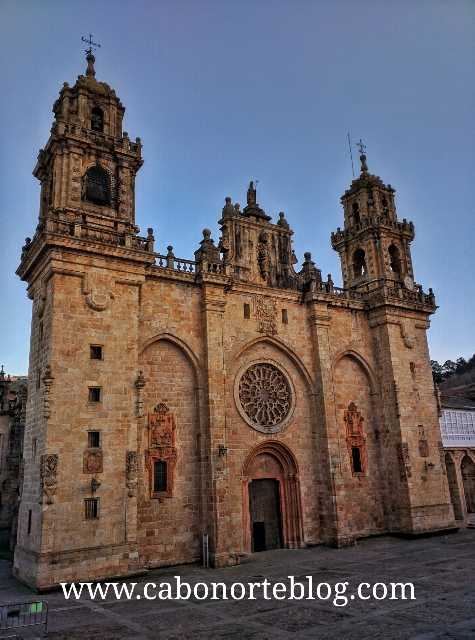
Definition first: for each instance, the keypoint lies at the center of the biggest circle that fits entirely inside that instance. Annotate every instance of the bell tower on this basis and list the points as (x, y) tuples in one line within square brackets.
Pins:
[(374, 245), (87, 169), (85, 267)]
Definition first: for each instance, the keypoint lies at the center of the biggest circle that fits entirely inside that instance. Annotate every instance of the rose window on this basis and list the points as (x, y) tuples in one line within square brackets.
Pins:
[(264, 395)]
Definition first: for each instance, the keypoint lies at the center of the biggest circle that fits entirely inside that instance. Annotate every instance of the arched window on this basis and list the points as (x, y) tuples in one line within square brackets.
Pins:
[(394, 260), (359, 263), (98, 185), (356, 212), (97, 119)]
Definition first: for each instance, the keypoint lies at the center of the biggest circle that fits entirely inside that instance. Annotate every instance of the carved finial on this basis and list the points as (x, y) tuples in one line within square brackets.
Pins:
[(228, 209), (90, 71), (206, 234), (2, 374), (282, 222)]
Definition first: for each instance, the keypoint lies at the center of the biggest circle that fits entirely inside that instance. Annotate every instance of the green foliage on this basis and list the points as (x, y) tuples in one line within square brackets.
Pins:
[(441, 372)]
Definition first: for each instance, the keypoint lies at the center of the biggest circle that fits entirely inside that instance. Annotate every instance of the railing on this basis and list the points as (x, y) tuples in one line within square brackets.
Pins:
[(169, 261), (79, 230), (24, 614), (97, 137)]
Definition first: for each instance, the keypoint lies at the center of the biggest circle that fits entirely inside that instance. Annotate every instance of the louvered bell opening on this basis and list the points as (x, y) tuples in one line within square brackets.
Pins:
[(98, 186)]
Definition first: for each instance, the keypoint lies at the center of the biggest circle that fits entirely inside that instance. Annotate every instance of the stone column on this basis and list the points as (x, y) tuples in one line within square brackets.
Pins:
[(328, 441), (219, 500)]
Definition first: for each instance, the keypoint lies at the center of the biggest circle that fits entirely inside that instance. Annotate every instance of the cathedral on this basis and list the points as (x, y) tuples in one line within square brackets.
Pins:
[(234, 396)]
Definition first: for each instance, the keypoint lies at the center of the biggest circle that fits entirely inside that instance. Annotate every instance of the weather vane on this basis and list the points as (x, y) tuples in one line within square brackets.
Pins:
[(91, 44), (361, 146)]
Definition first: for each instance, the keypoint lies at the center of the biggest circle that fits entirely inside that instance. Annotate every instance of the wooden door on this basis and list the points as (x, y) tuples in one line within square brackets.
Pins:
[(265, 520)]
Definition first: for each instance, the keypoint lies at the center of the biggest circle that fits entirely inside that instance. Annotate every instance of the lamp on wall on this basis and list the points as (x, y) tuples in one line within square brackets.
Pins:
[(430, 465)]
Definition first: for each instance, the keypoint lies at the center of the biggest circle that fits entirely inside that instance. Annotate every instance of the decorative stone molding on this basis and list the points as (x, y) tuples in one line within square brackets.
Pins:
[(95, 302), (440, 447), (48, 380), (267, 315), (165, 454), (48, 475), (264, 395), (161, 437), (404, 460), (408, 338), (93, 461), (139, 384), (355, 438), (263, 255), (423, 448), (131, 472)]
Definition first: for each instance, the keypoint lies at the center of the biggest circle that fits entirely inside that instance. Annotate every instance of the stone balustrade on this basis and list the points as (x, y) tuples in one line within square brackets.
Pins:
[(97, 137)]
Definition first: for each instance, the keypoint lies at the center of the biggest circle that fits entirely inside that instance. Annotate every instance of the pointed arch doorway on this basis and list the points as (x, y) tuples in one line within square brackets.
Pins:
[(272, 511)]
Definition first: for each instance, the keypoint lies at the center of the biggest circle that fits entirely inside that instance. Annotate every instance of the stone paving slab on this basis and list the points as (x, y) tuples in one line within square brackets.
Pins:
[(442, 570)]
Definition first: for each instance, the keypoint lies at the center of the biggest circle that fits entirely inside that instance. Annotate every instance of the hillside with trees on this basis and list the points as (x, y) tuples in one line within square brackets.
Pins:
[(455, 378)]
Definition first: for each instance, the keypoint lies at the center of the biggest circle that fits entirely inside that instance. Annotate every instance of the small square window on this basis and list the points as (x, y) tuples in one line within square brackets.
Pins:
[(95, 394), (96, 352), (285, 317), (91, 508), (94, 439), (247, 311), (159, 476)]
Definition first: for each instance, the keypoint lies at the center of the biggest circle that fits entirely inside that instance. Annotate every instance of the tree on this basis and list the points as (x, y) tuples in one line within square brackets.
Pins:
[(437, 373), (448, 369)]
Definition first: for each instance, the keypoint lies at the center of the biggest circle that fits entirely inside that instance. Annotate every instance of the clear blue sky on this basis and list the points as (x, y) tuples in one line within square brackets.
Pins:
[(223, 92)]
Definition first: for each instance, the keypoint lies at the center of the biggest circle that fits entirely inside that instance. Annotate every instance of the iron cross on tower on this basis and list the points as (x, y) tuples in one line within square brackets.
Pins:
[(361, 146), (91, 44)]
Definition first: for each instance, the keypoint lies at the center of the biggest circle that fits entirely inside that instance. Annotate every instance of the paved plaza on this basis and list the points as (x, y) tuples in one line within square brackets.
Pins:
[(441, 568)]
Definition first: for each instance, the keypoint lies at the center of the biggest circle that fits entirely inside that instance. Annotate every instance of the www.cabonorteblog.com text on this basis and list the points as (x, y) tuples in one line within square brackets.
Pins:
[(339, 594)]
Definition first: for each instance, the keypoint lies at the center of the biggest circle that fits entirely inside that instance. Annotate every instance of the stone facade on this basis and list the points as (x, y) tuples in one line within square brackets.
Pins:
[(172, 396), (13, 395)]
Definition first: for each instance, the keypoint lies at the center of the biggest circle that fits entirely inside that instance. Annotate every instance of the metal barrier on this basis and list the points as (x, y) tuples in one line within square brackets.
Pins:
[(24, 614)]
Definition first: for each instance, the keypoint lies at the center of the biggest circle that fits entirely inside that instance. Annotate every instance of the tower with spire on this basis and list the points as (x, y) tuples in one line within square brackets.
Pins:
[(374, 246), (85, 264)]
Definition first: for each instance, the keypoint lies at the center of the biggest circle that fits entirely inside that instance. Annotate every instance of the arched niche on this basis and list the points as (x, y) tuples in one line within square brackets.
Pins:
[(274, 461), (453, 487), (467, 468)]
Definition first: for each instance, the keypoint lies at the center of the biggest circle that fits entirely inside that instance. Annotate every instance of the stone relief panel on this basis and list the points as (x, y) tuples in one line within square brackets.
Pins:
[(355, 440), (267, 315), (131, 472), (404, 460), (48, 475), (161, 435), (93, 461)]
